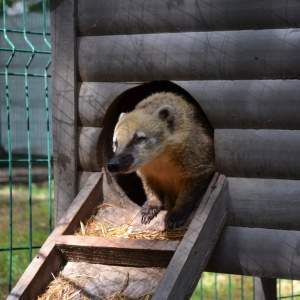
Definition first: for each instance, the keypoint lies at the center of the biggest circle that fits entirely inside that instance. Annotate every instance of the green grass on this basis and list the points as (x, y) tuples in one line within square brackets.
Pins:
[(21, 229), (223, 286)]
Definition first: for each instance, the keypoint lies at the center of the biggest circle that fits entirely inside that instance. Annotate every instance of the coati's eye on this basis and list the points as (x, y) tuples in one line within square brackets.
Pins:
[(139, 137)]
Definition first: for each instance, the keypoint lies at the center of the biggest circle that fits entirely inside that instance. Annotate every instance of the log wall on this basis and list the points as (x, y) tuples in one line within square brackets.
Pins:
[(239, 61)]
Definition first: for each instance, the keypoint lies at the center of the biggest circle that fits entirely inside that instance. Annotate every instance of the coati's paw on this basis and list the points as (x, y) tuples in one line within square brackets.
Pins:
[(175, 220), (149, 212)]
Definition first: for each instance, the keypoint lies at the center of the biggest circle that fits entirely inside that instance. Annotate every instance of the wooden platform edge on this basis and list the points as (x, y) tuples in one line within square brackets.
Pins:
[(48, 260), (117, 251), (194, 251)]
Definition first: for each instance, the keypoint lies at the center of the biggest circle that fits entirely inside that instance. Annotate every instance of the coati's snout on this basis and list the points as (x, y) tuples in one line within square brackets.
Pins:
[(120, 163)]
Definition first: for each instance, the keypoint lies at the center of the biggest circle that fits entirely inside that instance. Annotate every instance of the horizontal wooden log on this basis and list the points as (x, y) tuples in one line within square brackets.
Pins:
[(257, 252), (38, 274), (88, 149), (194, 251), (131, 17), (246, 104), (263, 203), (258, 153), (95, 98), (253, 54), (265, 288), (117, 252)]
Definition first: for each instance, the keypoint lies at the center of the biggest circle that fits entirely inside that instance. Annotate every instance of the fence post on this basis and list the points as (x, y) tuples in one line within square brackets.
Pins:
[(264, 288)]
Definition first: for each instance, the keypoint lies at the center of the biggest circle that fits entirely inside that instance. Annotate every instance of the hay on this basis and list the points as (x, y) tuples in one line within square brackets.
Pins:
[(110, 221), (60, 288), (63, 288), (99, 226)]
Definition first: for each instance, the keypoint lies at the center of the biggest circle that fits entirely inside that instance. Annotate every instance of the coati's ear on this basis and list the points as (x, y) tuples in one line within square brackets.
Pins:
[(165, 112), (121, 116)]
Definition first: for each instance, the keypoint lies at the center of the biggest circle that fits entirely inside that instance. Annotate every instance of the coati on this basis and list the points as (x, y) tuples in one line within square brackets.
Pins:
[(169, 143)]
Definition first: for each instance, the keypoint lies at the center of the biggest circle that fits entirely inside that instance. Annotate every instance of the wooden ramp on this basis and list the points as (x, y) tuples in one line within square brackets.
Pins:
[(100, 267)]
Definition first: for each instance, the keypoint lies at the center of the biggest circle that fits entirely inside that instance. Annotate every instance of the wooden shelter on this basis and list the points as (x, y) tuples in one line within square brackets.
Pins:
[(240, 61)]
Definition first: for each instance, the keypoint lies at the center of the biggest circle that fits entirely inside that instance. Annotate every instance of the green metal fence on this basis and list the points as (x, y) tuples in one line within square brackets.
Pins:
[(25, 136), (25, 153)]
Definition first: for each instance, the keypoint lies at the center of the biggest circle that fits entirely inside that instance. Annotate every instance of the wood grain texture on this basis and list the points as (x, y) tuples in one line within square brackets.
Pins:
[(64, 103), (95, 98), (257, 252), (38, 274), (258, 153), (193, 253), (265, 288), (248, 104), (263, 203), (238, 104), (117, 252), (98, 281), (231, 55), (130, 17), (88, 149)]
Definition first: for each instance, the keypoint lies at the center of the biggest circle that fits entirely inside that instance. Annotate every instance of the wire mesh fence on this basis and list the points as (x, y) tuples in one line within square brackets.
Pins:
[(25, 153), (25, 135)]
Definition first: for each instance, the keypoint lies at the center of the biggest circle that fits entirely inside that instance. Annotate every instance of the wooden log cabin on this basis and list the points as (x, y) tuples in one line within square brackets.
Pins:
[(239, 60)]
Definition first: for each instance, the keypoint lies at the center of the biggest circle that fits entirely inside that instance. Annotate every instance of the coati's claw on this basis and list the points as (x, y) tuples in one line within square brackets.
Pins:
[(148, 213), (175, 220)]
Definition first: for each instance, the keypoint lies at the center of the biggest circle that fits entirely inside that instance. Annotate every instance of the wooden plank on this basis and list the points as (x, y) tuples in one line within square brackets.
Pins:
[(265, 289), (193, 253), (257, 252), (246, 104), (95, 98), (38, 274), (258, 153), (88, 149), (117, 251), (263, 203), (131, 17), (64, 104), (253, 54), (98, 281)]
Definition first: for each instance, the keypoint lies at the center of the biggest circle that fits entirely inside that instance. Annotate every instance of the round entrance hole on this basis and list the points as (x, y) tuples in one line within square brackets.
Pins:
[(125, 102)]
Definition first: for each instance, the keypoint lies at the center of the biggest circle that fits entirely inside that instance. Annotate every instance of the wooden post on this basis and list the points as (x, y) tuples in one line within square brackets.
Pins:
[(64, 82), (265, 288)]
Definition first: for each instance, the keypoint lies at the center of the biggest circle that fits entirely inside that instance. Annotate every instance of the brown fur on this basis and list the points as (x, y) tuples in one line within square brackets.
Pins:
[(175, 170)]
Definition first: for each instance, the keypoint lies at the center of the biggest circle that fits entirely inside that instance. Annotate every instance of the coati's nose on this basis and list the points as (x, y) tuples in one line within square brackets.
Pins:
[(120, 163), (114, 164)]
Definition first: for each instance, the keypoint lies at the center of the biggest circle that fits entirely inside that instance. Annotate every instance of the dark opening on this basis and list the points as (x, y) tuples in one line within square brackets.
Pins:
[(125, 102)]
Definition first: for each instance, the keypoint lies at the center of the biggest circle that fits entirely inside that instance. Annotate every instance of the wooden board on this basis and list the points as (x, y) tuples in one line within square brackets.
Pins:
[(88, 143), (128, 17), (117, 251), (265, 288), (231, 55), (96, 281), (257, 252), (193, 253), (258, 153), (246, 104), (64, 108), (48, 260), (263, 203), (95, 98)]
